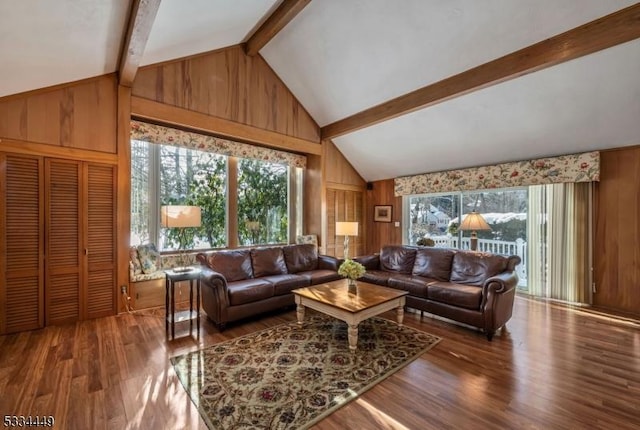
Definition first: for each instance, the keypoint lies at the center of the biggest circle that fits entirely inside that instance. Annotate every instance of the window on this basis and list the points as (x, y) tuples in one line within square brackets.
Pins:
[(262, 202), (140, 192), (194, 178), (430, 217), (267, 197)]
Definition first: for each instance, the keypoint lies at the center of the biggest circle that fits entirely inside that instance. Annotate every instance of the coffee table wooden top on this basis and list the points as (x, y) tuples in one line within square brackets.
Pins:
[(337, 294)]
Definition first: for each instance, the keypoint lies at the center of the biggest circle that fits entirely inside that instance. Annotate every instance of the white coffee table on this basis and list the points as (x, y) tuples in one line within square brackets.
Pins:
[(335, 299)]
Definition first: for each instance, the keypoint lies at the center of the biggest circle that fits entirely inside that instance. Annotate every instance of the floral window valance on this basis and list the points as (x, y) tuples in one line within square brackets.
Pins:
[(566, 168), (171, 136)]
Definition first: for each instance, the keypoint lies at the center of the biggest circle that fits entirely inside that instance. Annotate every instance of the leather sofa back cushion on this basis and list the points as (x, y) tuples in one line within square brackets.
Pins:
[(300, 258), (397, 259), (473, 268), (433, 263), (268, 261), (233, 265)]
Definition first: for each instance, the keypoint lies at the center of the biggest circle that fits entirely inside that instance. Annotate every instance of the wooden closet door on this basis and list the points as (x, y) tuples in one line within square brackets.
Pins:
[(21, 239), (344, 205), (100, 241), (63, 259)]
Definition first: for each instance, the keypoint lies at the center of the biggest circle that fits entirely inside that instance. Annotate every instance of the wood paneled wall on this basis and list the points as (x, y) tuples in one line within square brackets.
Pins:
[(80, 115), (228, 84), (383, 233), (314, 205), (617, 231), (345, 194), (338, 171), (333, 189), (344, 205)]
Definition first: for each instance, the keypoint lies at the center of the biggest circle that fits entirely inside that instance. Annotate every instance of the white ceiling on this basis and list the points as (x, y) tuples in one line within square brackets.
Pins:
[(339, 57), (187, 27), (44, 42)]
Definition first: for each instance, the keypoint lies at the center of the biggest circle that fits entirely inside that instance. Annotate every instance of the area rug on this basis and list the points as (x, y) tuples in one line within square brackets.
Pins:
[(290, 377)]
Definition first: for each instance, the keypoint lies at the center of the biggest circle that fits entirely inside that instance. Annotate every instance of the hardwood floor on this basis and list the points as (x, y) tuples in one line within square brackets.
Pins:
[(554, 367)]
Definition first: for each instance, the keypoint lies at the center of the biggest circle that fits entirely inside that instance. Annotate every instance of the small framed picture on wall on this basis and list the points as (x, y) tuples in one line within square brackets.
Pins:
[(382, 213)]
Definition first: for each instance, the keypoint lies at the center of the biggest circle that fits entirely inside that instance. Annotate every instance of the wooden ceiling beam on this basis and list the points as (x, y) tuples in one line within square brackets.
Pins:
[(143, 13), (282, 16), (611, 30)]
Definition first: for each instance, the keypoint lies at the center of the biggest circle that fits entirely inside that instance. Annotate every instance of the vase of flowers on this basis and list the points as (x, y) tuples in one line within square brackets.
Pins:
[(351, 270)]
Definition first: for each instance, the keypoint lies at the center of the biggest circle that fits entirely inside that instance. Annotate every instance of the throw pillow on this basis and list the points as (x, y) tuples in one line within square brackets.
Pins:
[(149, 258)]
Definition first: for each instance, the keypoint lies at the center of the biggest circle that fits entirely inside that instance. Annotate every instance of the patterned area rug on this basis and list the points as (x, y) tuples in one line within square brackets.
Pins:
[(288, 377)]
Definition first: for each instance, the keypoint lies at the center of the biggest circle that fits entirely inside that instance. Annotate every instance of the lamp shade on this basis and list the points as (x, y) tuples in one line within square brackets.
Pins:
[(180, 216), (346, 229), (474, 221)]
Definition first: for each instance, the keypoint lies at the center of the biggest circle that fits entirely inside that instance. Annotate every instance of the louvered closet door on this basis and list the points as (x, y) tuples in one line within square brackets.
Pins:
[(63, 241), (100, 241), (21, 233)]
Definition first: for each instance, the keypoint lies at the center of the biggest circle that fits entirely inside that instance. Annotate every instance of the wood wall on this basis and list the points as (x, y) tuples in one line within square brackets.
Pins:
[(383, 233), (228, 84), (334, 191), (80, 115), (617, 231), (228, 93)]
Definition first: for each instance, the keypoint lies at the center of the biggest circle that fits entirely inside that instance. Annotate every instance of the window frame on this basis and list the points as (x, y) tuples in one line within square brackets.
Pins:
[(295, 199)]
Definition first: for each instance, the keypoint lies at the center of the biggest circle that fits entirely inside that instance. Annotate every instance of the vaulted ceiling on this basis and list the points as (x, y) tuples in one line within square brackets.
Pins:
[(342, 57)]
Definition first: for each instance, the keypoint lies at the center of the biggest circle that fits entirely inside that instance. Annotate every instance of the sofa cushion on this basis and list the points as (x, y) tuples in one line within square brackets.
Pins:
[(234, 265), (398, 259), (415, 285), (283, 284), (149, 258), (249, 291), (147, 276), (268, 261), (320, 276), (464, 296), (300, 258), (473, 268), (433, 263), (379, 277)]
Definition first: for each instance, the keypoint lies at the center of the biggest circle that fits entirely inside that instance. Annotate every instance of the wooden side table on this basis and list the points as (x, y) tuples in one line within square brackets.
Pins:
[(193, 276)]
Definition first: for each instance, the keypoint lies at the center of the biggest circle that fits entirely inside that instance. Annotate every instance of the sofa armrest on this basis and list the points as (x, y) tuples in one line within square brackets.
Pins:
[(500, 283), (213, 279), (327, 262), (370, 262), (215, 296), (498, 293)]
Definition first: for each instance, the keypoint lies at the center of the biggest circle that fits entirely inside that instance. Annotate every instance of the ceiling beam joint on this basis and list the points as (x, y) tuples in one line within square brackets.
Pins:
[(282, 16), (143, 13)]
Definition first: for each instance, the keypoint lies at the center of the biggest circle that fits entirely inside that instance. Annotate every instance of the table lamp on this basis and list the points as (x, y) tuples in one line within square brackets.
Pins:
[(473, 221), (346, 229), (181, 217)]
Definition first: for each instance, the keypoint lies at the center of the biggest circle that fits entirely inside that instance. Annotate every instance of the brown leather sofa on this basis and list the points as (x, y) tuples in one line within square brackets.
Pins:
[(474, 288), (240, 283)]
